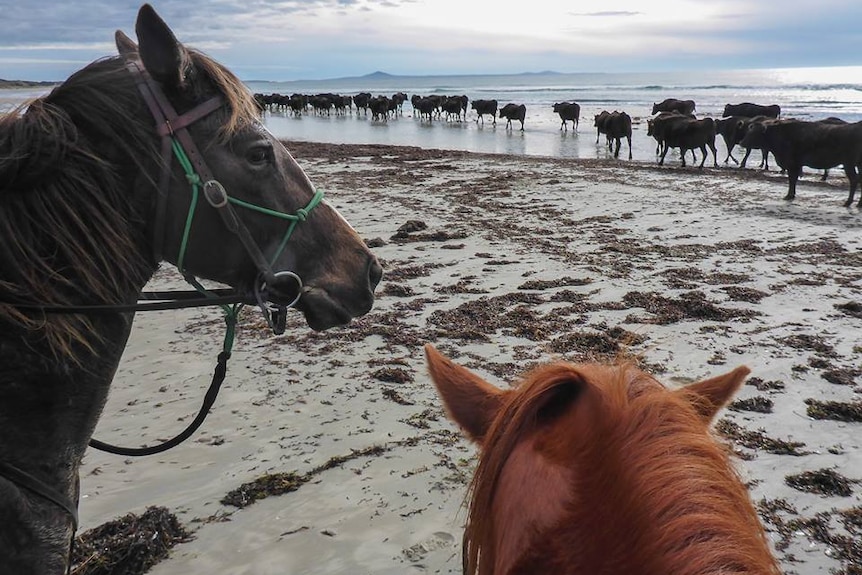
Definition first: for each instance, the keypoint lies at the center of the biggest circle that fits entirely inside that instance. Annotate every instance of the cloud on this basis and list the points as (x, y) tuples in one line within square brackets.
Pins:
[(607, 13), (325, 38)]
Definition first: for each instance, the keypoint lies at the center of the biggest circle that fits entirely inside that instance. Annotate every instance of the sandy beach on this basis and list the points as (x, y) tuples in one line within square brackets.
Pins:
[(502, 262)]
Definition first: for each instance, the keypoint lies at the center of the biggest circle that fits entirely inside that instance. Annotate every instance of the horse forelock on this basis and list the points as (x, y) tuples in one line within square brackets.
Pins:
[(645, 477), (241, 107)]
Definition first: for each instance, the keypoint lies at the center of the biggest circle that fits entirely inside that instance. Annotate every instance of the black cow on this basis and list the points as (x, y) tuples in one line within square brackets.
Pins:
[(380, 106), (425, 106), (731, 129), (599, 122), (464, 101), (689, 134), (754, 140), (618, 125), (360, 100), (672, 104), (657, 128), (399, 98), (452, 107), (568, 111), (483, 107), (750, 110), (830, 120), (820, 145), (513, 112)]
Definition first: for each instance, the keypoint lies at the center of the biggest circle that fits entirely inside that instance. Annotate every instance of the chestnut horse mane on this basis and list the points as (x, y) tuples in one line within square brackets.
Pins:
[(67, 164), (650, 464)]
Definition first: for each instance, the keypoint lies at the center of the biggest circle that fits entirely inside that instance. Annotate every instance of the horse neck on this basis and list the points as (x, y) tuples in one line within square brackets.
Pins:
[(49, 410)]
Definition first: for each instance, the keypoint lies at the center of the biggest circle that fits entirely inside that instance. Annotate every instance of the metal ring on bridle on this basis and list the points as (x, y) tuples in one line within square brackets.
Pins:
[(262, 289)]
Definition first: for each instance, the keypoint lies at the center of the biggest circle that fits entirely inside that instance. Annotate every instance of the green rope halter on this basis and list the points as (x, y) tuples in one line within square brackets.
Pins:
[(231, 311)]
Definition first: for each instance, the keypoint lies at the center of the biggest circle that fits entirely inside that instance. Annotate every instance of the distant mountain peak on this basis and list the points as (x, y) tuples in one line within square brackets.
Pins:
[(378, 74)]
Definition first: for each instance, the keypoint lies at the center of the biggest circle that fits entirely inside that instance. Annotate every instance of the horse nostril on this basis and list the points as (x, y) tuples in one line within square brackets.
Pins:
[(375, 273)]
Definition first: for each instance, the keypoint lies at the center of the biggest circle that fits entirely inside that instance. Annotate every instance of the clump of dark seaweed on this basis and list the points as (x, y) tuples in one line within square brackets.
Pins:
[(813, 343), (757, 403), (280, 483), (822, 481), (690, 305), (587, 345), (758, 439), (841, 375), (561, 282), (850, 308), (740, 293), (392, 375), (762, 385), (847, 549), (837, 410), (129, 545), (397, 290)]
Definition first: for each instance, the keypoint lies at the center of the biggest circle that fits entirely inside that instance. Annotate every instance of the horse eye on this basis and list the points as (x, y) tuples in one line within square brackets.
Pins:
[(258, 156)]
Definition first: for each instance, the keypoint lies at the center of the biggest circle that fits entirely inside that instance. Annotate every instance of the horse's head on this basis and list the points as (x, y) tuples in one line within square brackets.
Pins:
[(258, 215), (593, 468)]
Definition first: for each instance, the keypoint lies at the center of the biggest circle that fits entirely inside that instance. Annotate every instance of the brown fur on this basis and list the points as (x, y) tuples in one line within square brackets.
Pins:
[(650, 490)]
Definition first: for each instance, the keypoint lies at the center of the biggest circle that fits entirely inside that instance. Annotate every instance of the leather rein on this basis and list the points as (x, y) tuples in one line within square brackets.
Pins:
[(177, 142)]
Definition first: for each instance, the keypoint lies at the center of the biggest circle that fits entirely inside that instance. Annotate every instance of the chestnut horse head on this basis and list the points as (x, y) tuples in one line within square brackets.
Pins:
[(589, 469)]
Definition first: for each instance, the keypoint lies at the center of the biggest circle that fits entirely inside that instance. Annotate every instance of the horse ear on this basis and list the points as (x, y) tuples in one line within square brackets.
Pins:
[(470, 401), (125, 45), (161, 53), (710, 395)]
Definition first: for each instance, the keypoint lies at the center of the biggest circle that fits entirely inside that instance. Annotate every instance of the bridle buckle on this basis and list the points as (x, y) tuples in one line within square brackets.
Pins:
[(215, 193)]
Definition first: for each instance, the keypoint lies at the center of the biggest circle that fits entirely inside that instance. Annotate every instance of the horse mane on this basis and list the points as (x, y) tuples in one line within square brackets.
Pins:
[(69, 224), (680, 505)]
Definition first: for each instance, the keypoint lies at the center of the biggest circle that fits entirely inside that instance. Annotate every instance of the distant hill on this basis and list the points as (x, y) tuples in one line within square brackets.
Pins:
[(24, 84), (380, 77)]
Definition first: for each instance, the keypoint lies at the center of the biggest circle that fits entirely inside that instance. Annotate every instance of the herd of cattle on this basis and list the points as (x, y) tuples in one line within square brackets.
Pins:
[(821, 144)]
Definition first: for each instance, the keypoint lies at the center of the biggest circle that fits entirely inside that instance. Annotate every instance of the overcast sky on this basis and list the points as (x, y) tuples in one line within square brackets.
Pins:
[(317, 39)]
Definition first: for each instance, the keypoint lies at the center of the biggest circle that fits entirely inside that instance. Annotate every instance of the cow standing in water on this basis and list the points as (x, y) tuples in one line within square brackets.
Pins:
[(618, 125), (674, 105), (569, 112), (750, 110), (514, 112), (483, 107)]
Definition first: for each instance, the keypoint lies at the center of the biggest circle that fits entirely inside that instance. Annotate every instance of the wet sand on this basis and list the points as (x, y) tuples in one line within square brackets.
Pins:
[(524, 259)]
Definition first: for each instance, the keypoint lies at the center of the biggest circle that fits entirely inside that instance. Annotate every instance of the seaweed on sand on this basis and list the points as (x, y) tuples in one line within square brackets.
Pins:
[(836, 410), (822, 481), (129, 545)]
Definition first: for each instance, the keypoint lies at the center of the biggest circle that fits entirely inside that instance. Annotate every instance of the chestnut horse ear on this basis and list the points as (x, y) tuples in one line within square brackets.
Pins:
[(125, 45), (710, 395), (470, 401), (162, 55)]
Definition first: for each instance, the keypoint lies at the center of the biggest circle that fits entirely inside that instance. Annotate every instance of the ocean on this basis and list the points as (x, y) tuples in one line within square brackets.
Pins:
[(804, 93)]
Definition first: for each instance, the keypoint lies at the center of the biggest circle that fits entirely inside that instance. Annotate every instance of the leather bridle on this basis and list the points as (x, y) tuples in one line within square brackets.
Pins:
[(177, 142)]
